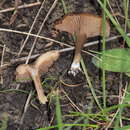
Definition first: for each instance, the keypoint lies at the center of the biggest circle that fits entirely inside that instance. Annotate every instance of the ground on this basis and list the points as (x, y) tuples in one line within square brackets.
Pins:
[(14, 96)]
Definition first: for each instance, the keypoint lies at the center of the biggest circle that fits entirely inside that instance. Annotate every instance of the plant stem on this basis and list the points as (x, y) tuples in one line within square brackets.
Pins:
[(103, 48)]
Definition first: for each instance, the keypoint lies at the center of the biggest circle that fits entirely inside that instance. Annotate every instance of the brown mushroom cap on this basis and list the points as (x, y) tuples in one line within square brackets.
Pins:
[(46, 60), (65, 24), (86, 23), (41, 64), (22, 74)]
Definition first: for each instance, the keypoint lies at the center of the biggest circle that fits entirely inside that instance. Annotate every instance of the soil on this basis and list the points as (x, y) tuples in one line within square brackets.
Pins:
[(13, 95)]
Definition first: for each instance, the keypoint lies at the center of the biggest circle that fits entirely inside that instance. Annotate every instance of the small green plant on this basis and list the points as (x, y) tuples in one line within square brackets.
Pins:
[(4, 121), (115, 60)]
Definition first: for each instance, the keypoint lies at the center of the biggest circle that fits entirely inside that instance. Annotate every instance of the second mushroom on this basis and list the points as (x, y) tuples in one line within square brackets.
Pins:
[(33, 71), (84, 26)]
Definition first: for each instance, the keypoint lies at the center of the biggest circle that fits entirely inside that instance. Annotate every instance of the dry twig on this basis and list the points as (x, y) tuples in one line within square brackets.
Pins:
[(25, 41), (20, 7), (2, 60), (49, 12)]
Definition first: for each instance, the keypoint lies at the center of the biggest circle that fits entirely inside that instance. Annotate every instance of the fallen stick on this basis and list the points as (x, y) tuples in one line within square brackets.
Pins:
[(20, 7)]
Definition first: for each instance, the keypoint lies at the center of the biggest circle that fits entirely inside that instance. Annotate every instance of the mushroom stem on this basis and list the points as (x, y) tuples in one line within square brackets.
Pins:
[(75, 66), (40, 92), (79, 44), (36, 78)]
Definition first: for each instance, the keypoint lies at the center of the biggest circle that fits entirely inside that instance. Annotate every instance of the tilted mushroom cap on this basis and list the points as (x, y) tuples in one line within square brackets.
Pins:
[(42, 64), (46, 60), (22, 74)]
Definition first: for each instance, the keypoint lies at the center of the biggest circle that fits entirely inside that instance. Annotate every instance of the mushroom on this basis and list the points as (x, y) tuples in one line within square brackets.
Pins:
[(35, 70), (84, 26)]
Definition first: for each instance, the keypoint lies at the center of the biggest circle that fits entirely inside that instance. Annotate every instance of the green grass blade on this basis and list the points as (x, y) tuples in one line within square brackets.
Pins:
[(118, 27), (125, 128), (119, 116), (90, 84), (108, 109), (66, 125), (4, 121), (64, 7), (89, 111), (58, 113), (103, 48), (126, 9), (75, 122)]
